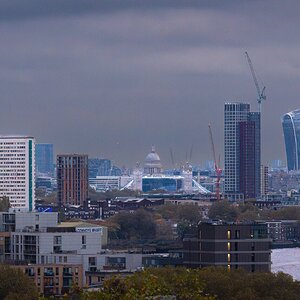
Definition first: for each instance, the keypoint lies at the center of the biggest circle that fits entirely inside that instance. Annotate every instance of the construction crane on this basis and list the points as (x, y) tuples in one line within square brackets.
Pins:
[(261, 93), (218, 169)]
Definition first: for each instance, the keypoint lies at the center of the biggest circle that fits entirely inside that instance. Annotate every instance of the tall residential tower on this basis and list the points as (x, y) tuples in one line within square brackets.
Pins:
[(72, 179), (242, 151), (17, 171)]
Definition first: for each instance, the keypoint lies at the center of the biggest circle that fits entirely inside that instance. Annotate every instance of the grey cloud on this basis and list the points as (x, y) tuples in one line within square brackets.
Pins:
[(113, 77)]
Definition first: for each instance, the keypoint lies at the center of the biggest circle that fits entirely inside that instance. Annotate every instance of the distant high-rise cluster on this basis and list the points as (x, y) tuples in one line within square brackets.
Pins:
[(291, 131), (242, 151)]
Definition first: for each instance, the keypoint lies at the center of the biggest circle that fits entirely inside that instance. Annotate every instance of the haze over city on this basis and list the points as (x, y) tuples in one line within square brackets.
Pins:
[(110, 80)]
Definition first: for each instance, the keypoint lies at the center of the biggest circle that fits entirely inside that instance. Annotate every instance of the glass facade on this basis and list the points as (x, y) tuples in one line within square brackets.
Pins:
[(166, 184), (44, 158), (291, 131)]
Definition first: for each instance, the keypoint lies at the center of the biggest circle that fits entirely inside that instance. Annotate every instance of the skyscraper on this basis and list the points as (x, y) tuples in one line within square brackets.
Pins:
[(17, 171), (242, 151), (72, 179), (247, 159), (44, 158), (291, 131)]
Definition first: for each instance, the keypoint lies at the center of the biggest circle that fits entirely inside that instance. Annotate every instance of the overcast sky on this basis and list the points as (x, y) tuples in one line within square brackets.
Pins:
[(111, 78)]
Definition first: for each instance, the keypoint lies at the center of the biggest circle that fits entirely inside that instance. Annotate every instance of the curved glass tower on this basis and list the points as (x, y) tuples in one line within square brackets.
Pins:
[(291, 131)]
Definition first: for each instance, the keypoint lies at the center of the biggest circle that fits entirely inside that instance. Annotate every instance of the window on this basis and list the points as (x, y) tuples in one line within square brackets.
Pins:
[(228, 234), (92, 261), (237, 234), (235, 246), (57, 240), (228, 246), (228, 257), (83, 240)]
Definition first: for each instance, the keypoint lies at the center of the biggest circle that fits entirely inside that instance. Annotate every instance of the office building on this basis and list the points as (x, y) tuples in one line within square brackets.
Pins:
[(291, 131), (100, 167), (242, 151), (44, 158), (72, 179), (17, 171), (232, 246), (109, 183)]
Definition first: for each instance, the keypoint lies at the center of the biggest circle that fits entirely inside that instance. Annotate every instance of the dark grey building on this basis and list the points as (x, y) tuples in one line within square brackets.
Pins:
[(291, 131), (232, 246)]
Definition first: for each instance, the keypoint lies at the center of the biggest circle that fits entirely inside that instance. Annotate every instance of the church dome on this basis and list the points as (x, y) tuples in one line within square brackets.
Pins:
[(152, 157), (152, 163)]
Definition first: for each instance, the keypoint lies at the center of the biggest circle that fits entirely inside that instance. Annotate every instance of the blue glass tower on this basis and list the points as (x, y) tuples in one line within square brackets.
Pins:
[(44, 158), (291, 131)]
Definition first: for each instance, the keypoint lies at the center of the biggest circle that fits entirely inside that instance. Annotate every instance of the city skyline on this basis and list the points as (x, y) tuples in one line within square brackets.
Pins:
[(111, 79)]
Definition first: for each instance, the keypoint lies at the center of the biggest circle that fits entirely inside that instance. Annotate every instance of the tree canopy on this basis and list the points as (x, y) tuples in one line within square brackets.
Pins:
[(4, 204), (139, 224), (16, 285), (189, 284)]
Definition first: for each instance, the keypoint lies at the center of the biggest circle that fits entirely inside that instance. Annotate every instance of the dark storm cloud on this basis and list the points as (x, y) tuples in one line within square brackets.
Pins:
[(113, 77)]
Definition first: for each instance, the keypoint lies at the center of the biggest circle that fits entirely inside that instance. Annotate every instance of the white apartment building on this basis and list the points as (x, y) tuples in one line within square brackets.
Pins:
[(17, 171), (38, 238)]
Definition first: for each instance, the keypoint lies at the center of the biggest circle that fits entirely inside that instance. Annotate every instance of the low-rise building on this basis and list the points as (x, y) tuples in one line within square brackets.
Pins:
[(231, 245), (53, 279)]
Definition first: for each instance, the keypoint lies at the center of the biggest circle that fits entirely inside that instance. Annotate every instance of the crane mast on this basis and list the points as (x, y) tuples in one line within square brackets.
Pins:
[(218, 169), (261, 93)]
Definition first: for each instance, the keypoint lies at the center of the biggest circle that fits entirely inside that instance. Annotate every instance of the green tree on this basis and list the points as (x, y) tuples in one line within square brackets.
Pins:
[(14, 284), (137, 225), (4, 203), (242, 285), (151, 283), (223, 210)]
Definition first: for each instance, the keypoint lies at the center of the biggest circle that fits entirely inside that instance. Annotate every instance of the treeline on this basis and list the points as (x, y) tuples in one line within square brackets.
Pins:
[(154, 223), (193, 284), (226, 211), (162, 222)]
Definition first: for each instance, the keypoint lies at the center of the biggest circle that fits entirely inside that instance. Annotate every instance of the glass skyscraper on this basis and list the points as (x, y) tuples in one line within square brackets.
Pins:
[(291, 131), (44, 158)]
